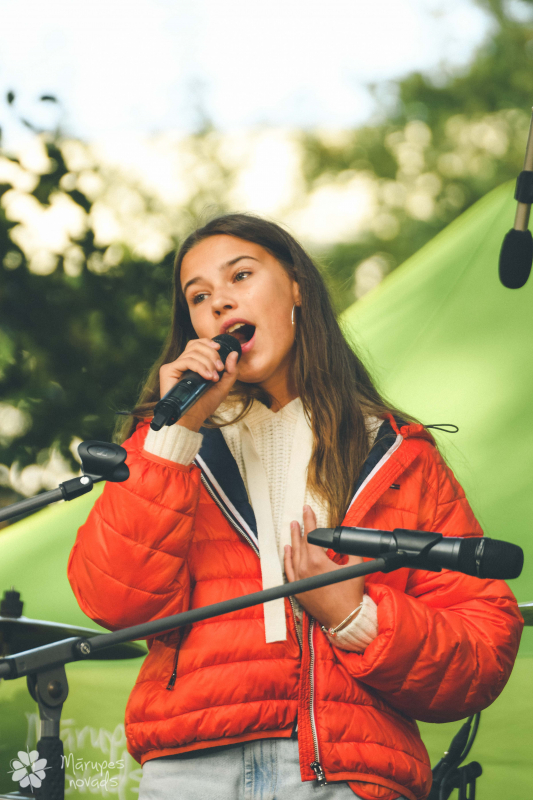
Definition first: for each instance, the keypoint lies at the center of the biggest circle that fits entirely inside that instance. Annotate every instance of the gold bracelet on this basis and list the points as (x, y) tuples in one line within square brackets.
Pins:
[(333, 631)]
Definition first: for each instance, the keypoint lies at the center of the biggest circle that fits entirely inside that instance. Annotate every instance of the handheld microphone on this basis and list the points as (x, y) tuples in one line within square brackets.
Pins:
[(516, 254), (190, 387), (477, 556)]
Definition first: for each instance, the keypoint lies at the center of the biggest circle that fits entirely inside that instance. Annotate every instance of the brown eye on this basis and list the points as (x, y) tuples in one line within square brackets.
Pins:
[(198, 298)]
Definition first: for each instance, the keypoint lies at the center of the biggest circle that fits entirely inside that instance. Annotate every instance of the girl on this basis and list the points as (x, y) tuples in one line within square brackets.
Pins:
[(315, 696)]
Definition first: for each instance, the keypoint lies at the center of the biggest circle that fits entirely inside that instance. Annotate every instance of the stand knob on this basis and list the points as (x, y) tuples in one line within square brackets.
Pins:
[(55, 689), (11, 604)]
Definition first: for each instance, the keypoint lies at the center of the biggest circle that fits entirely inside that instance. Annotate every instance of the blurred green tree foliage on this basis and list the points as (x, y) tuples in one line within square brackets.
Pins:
[(82, 319), (73, 341)]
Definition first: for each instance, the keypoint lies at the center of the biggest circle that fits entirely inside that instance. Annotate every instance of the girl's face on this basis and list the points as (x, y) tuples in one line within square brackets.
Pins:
[(235, 286)]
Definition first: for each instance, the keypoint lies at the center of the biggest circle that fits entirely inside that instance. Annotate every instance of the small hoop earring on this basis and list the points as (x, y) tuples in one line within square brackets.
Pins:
[(292, 313)]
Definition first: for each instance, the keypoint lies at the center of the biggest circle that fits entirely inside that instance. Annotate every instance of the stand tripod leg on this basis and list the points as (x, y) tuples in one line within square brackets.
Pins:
[(50, 690)]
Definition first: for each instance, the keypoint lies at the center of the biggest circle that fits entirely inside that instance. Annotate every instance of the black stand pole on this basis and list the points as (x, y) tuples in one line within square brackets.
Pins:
[(47, 680), (77, 648), (50, 690), (66, 491)]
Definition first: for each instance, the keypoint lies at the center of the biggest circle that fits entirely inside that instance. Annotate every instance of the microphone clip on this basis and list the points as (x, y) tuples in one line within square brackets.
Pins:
[(103, 461), (410, 546), (524, 187)]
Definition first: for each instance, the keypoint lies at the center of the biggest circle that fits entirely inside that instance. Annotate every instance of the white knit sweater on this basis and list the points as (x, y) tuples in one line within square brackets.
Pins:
[(272, 449)]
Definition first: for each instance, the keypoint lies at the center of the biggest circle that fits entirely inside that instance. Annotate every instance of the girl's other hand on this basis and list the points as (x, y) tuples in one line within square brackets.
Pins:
[(330, 605)]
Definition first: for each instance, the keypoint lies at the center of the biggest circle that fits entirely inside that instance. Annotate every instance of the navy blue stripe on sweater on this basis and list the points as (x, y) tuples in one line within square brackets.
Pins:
[(217, 456)]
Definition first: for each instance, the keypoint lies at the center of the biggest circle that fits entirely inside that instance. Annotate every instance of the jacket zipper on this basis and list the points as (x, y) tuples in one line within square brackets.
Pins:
[(294, 734), (315, 765), (172, 681), (298, 634)]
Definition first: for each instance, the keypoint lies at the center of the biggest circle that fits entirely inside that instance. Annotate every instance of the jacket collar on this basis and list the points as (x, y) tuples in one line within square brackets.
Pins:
[(397, 445), (386, 460), (388, 440)]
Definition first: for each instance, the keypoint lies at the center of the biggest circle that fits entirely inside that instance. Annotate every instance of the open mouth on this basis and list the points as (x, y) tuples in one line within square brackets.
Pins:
[(242, 331)]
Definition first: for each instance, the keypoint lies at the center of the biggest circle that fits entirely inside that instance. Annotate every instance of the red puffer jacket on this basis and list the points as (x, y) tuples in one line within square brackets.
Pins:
[(172, 538)]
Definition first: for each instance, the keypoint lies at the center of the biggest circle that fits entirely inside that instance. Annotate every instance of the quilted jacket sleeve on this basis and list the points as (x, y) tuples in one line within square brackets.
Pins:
[(128, 564), (446, 646)]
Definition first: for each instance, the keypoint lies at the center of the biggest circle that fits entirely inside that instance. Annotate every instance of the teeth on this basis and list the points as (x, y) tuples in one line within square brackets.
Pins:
[(235, 327)]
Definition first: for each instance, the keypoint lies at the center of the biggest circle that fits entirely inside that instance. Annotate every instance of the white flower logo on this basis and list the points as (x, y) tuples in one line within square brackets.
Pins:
[(28, 769)]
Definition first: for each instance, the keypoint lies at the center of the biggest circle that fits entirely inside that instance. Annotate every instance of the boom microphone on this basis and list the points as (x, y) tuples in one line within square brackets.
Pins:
[(516, 254), (477, 556), (190, 387)]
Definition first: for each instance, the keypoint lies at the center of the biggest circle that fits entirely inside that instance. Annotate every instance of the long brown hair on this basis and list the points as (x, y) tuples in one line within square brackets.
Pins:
[(335, 388)]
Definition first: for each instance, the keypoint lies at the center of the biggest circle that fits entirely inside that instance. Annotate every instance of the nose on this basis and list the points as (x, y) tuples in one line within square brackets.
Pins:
[(222, 302)]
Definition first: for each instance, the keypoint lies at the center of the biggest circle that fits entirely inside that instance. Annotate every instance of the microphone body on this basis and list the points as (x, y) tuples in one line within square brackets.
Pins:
[(190, 387), (477, 556)]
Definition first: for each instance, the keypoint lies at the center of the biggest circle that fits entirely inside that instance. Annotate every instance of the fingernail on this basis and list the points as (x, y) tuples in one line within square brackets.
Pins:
[(307, 508)]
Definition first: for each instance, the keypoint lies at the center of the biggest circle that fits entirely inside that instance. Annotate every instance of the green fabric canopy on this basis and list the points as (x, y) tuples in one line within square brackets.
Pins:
[(447, 343)]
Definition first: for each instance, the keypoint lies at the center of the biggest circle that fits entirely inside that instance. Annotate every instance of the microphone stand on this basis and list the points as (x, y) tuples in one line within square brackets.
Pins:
[(44, 667)]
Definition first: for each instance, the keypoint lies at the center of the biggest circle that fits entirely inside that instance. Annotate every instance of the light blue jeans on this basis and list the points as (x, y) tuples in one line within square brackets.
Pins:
[(266, 769)]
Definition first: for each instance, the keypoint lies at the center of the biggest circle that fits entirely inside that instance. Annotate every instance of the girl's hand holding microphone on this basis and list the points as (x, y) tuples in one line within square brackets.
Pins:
[(201, 356)]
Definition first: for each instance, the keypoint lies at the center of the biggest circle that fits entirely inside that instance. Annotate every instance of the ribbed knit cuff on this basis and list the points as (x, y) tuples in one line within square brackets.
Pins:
[(361, 631), (175, 443)]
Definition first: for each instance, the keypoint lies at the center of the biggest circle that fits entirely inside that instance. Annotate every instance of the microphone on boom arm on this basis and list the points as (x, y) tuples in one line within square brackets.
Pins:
[(190, 387), (516, 254), (477, 556)]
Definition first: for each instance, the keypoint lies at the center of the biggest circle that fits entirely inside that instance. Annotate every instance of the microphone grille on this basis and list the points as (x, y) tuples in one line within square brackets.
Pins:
[(501, 560), (516, 256), (228, 344)]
